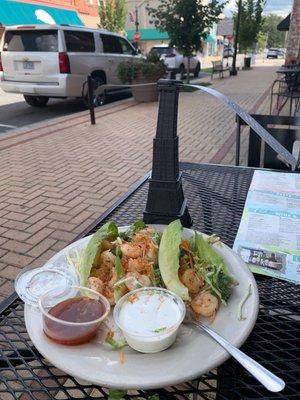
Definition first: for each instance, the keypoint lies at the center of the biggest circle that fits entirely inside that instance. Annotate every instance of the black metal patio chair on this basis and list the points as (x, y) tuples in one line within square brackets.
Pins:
[(287, 88), (284, 129)]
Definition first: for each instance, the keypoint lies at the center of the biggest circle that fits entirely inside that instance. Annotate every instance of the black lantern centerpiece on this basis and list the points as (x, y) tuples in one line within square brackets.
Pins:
[(166, 201)]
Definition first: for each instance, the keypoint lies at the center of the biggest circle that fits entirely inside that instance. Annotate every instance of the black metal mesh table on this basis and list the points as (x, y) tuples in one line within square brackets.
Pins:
[(216, 197)]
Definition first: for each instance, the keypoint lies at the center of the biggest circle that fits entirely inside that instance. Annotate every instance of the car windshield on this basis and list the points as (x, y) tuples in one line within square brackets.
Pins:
[(34, 40), (163, 50)]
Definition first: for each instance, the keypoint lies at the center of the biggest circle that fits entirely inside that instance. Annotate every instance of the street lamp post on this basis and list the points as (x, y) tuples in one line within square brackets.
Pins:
[(137, 24), (136, 19), (237, 32)]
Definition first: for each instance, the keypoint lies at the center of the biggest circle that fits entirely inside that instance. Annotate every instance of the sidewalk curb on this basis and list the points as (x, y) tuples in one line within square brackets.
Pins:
[(35, 130)]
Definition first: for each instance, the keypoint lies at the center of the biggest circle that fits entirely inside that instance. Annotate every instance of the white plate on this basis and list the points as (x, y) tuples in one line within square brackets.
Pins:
[(193, 354)]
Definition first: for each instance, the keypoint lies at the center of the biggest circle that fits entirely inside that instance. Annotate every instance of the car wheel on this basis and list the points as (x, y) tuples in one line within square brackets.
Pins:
[(197, 70), (36, 101), (98, 99), (181, 71)]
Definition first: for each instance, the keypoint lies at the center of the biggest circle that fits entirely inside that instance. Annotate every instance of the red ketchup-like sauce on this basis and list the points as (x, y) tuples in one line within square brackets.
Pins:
[(76, 309)]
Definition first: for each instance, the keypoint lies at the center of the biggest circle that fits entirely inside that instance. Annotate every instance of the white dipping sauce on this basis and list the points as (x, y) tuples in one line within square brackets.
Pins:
[(149, 318)]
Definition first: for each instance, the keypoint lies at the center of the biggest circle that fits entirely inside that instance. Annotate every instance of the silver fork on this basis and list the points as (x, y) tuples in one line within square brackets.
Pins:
[(265, 377)]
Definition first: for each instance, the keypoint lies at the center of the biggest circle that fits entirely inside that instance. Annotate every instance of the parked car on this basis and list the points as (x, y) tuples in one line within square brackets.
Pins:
[(175, 61), (45, 61), (275, 53)]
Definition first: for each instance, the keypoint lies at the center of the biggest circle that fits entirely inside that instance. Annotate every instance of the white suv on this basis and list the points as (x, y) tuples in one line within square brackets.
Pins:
[(46, 61), (175, 61)]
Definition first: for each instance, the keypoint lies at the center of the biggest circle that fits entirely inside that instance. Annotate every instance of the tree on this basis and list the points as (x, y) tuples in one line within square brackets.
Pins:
[(251, 23), (187, 23), (262, 39), (275, 38), (112, 15)]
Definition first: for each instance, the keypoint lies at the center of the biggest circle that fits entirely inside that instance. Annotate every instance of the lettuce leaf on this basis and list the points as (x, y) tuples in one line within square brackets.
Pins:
[(114, 343), (156, 238), (168, 259), (212, 268), (119, 290), (116, 394), (108, 231)]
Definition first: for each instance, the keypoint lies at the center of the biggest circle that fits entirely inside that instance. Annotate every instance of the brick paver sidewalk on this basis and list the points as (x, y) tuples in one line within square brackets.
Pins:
[(56, 179)]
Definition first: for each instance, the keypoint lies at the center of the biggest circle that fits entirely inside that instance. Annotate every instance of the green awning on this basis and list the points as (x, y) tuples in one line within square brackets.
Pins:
[(210, 39), (155, 34), (17, 13), (148, 34)]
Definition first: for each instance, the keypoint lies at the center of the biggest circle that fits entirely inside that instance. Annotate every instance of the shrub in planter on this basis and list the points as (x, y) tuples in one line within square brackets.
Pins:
[(143, 70)]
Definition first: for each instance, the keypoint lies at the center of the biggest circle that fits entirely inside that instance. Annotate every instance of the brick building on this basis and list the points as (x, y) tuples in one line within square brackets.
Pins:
[(87, 9), (293, 42), (150, 36)]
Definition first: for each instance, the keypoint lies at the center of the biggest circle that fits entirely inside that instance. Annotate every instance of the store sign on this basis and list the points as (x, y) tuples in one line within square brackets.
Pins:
[(225, 27)]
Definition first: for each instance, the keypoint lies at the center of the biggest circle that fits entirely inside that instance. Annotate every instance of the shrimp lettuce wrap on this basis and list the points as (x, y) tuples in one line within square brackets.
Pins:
[(193, 270), (115, 262)]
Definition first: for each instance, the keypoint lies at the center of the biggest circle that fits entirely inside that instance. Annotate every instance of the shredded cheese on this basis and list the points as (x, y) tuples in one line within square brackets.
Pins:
[(121, 356)]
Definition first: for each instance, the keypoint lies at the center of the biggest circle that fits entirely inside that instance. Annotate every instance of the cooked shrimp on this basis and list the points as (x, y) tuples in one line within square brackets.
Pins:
[(104, 266), (140, 265), (205, 304), (144, 239), (135, 278), (102, 288), (96, 284), (107, 258), (191, 280), (132, 250), (108, 292)]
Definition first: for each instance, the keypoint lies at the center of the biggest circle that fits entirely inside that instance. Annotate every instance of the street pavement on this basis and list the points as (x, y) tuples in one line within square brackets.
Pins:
[(16, 113), (58, 176)]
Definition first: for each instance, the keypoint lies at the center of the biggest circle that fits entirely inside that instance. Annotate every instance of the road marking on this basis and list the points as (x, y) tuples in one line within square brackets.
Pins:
[(8, 126)]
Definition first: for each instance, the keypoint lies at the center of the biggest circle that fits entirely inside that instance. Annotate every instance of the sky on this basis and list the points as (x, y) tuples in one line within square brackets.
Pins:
[(280, 7)]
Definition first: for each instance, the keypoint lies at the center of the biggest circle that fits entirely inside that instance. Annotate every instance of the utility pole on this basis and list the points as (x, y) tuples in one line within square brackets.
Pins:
[(237, 32), (137, 24), (136, 19), (137, 36)]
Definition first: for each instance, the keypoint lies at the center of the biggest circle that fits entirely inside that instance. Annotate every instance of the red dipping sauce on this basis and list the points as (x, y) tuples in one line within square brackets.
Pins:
[(77, 320)]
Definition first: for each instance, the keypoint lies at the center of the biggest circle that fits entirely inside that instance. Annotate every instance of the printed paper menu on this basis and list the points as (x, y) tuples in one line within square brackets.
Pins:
[(268, 239)]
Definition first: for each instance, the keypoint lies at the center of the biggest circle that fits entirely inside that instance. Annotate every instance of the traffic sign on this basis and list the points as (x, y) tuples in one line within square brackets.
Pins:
[(137, 36)]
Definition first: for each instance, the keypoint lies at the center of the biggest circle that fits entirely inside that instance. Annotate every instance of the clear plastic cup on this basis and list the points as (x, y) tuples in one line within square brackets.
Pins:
[(149, 318), (72, 315), (33, 282)]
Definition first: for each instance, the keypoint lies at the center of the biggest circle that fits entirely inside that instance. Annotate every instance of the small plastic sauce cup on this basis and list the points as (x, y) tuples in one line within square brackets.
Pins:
[(76, 316), (149, 318)]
